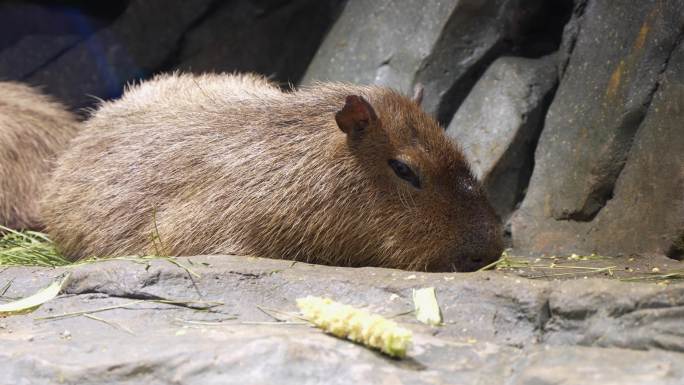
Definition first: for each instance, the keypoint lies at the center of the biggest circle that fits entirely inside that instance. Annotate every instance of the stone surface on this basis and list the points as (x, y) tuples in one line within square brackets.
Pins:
[(498, 124), (32, 35), (498, 329), (612, 74), (450, 42), (80, 51), (32, 52), (132, 47), (274, 38), (609, 173), (19, 19)]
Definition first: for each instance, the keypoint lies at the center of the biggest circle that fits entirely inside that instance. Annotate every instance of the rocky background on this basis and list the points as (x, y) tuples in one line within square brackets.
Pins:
[(570, 111)]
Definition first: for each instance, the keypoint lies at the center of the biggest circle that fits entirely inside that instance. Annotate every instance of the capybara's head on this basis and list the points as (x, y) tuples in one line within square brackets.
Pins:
[(429, 211)]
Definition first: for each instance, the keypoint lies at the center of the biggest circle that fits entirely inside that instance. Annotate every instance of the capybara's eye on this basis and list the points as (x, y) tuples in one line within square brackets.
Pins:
[(404, 172)]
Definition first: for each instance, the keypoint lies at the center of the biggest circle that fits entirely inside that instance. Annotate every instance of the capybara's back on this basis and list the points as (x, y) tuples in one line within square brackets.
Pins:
[(229, 164), (34, 129)]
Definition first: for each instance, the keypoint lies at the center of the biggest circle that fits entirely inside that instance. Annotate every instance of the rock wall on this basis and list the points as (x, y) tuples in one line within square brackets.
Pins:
[(572, 112), (80, 51), (609, 167), (443, 45)]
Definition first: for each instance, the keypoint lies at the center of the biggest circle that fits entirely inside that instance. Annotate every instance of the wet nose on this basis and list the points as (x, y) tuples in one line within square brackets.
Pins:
[(484, 247)]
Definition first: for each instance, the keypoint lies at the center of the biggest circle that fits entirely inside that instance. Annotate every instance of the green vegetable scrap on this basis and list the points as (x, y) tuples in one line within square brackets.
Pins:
[(427, 308), (345, 321), (30, 303)]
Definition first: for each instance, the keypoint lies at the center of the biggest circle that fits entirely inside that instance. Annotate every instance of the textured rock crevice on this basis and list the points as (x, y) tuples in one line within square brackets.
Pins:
[(626, 132), (506, 144), (520, 153), (676, 250), (601, 182), (79, 53), (647, 43), (499, 124), (452, 44), (169, 63), (274, 38), (35, 34), (119, 53), (536, 119), (569, 37), (528, 29), (54, 56)]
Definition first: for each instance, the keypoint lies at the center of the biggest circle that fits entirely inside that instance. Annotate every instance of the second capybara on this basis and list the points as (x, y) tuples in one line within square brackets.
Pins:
[(34, 129), (230, 164)]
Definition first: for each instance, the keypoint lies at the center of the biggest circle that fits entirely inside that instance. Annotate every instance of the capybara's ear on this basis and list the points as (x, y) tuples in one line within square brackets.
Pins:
[(356, 116), (418, 94)]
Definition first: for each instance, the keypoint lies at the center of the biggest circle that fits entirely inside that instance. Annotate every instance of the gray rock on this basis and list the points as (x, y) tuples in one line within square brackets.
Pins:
[(31, 53), (440, 44), (19, 20), (275, 38), (81, 58), (607, 87), (32, 35), (133, 46), (498, 329), (583, 366), (608, 175), (498, 125)]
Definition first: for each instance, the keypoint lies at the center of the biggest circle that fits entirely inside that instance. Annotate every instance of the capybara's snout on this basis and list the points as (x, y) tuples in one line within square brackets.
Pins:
[(481, 245)]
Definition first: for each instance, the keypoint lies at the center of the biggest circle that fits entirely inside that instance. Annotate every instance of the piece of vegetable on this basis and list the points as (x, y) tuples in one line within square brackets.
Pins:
[(357, 325), (32, 302), (427, 308)]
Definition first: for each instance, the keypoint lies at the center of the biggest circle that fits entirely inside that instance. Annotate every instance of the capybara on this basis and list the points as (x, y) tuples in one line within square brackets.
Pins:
[(230, 164), (34, 129)]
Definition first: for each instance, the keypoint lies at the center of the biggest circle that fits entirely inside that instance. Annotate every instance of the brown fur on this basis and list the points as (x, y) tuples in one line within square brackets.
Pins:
[(219, 164), (33, 130)]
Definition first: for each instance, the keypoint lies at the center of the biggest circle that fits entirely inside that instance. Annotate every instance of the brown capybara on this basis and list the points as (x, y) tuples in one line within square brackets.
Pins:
[(229, 164), (34, 129)]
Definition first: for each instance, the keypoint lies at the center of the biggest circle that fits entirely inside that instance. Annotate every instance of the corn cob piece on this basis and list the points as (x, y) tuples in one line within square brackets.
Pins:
[(357, 325)]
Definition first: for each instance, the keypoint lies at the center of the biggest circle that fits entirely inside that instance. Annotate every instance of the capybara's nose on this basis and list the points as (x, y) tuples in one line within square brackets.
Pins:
[(484, 247), (473, 262)]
